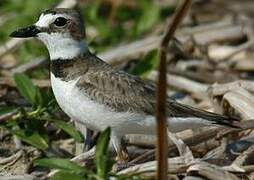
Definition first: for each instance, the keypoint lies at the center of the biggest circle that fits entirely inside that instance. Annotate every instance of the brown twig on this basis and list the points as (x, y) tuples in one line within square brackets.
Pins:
[(162, 147)]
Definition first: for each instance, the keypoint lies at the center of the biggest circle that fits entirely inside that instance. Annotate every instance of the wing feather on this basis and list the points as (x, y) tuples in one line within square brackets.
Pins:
[(124, 92)]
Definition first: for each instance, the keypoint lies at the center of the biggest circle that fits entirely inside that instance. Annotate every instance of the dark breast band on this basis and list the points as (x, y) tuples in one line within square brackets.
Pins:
[(59, 67)]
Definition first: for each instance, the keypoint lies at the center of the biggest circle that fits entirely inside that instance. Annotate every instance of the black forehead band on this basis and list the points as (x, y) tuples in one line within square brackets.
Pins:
[(49, 11)]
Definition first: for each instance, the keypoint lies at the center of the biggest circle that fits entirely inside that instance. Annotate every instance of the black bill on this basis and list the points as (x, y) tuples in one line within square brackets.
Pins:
[(30, 31)]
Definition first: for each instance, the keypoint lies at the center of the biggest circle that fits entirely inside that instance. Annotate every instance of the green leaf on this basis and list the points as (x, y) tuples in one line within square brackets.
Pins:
[(63, 175), (144, 66), (62, 164), (26, 87), (31, 137), (69, 129), (101, 157)]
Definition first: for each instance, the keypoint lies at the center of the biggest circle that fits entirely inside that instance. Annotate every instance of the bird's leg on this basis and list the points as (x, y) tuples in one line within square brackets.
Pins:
[(122, 157), (87, 134), (91, 139), (119, 146), (79, 147)]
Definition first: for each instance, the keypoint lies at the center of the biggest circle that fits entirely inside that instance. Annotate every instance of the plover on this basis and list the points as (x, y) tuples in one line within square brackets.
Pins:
[(98, 95)]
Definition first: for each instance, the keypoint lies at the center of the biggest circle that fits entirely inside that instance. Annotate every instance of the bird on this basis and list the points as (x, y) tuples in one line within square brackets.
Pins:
[(98, 95)]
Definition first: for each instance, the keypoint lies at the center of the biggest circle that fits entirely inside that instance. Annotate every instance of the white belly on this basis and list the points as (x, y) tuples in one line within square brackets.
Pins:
[(76, 104)]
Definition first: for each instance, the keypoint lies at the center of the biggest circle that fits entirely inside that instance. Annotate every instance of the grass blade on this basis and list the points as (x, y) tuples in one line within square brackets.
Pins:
[(26, 87), (59, 163), (101, 157), (32, 137), (69, 129)]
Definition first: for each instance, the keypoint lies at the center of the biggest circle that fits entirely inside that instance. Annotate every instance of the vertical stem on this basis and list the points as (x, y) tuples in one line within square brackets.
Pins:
[(162, 142), (161, 117)]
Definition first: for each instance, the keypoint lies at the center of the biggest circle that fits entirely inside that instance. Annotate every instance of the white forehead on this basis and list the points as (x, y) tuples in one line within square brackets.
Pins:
[(46, 19)]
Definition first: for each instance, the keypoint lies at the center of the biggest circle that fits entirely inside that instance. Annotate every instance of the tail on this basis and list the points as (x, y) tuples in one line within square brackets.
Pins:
[(182, 110), (228, 121)]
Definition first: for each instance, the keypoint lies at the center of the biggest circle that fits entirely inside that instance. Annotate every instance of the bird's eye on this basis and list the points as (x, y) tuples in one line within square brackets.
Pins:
[(60, 21)]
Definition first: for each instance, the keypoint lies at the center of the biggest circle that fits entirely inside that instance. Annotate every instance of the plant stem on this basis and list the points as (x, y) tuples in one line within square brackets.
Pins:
[(162, 141)]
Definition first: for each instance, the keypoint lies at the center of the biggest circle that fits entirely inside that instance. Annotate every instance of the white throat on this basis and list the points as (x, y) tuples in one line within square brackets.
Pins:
[(62, 47)]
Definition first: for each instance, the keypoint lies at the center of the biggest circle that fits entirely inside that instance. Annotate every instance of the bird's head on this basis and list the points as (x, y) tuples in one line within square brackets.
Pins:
[(60, 30)]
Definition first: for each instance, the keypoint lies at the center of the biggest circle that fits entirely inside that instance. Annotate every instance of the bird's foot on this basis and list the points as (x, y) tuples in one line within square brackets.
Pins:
[(122, 156), (122, 159)]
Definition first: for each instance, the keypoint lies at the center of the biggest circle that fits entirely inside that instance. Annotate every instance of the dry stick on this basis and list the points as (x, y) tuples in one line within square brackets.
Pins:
[(237, 50), (190, 141), (19, 177), (162, 147)]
